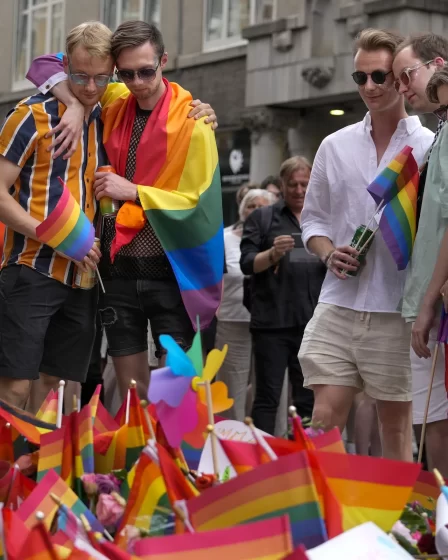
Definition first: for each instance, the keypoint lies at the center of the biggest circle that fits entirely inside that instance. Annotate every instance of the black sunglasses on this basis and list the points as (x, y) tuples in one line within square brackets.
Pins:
[(441, 112), (378, 77), (145, 74)]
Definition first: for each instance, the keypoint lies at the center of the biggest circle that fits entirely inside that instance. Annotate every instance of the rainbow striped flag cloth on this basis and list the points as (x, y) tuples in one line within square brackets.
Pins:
[(136, 440), (394, 177), (82, 438), (277, 488), (269, 539), (67, 229), (41, 500), (179, 187), (397, 188), (57, 453), (110, 450), (426, 491), (24, 423), (6, 442), (368, 488), (48, 410), (148, 506)]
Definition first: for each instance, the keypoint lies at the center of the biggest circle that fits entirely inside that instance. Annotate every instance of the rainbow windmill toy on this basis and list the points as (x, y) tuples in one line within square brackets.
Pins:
[(182, 391), (67, 229)]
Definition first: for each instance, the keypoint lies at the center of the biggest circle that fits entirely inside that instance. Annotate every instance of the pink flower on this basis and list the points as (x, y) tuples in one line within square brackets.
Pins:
[(89, 483), (110, 509), (400, 529)]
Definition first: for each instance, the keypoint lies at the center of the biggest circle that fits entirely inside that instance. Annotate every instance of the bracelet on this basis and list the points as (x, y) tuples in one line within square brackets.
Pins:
[(328, 256)]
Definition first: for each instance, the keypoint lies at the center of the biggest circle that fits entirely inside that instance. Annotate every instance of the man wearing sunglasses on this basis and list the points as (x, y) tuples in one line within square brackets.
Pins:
[(356, 339), (417, 63), (140, 282)]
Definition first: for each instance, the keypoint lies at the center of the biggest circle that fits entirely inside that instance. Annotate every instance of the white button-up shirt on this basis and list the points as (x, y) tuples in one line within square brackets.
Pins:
[(337, 202)]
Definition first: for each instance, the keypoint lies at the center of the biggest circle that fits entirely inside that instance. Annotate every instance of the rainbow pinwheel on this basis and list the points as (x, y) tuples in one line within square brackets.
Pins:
[(176, 389)]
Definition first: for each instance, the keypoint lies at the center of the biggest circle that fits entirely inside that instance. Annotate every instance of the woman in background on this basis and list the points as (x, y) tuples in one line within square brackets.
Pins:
[(233, 317)]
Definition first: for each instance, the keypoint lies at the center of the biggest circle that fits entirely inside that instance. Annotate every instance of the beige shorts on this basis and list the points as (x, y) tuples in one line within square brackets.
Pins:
[(368, 351), (421, 374)]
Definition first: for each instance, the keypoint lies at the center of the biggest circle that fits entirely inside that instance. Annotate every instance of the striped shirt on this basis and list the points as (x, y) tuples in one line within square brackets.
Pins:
[(37, 189)]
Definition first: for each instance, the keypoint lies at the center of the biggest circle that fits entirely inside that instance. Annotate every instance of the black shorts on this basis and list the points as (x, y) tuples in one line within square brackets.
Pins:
[(127, 306), (45, 326)]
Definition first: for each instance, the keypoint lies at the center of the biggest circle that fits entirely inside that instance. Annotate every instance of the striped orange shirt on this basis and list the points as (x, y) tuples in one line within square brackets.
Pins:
[(37, 189)]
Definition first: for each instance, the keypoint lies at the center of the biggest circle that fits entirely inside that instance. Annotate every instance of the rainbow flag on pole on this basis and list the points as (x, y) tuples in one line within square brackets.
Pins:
[(67, 229), (394, 177), (179, 187), (277, 488), (269, 540)]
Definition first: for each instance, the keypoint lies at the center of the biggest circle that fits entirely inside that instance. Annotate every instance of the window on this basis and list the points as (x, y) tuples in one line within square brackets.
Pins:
[(40, 30), (117, 11), (225, 19)]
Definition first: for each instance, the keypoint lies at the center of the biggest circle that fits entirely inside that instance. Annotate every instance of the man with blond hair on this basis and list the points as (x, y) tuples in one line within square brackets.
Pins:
[(47, 325), (357, 339)]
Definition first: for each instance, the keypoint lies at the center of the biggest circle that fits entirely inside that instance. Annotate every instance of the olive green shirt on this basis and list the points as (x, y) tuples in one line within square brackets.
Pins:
[(431, 229)]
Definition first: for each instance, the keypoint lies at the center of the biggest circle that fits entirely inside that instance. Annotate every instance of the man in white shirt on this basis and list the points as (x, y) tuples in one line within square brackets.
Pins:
[(357, 339)]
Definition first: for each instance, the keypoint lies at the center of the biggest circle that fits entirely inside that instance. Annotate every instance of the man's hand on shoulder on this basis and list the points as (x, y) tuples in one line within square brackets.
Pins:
[(203, 110), (114, 186)]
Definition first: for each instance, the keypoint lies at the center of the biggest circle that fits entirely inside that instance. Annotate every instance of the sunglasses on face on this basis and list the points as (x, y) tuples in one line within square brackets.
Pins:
[(144, 74), (405, 75), (441, 112), (81, 79), (378, 77)]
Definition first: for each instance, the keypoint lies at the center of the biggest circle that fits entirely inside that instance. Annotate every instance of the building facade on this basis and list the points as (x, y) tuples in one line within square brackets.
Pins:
[(277, 72)]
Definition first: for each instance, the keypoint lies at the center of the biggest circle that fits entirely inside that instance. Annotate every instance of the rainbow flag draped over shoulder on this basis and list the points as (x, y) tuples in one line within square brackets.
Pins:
[(179, 187)]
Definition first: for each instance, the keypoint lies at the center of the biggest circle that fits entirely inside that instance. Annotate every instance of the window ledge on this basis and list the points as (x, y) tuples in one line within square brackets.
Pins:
[(211, 56), (273, 27)]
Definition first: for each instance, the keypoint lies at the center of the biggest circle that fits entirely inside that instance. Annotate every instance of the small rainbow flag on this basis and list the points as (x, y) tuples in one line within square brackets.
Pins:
[(67, 229), (48, 410), (398, 222), (110, 450), (394, 177), (269, 539), (26, 424), (426, 490), (368, 488), (280, 487)]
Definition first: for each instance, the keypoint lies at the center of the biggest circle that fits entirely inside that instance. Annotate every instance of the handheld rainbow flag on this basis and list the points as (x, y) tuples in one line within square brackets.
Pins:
[(280, 487), (270, 540), (179, 187), (67, 229), (394, 177), (398, 222)]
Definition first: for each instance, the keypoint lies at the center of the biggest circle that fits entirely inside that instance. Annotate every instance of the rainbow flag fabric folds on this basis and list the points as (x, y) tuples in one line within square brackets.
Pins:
[(368, 488), (67, 229), (394, 177), (270, 540), (281, 487), (179, 187)]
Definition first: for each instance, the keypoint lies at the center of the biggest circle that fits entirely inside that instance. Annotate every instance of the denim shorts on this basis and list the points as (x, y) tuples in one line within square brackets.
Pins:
[(127, 306)]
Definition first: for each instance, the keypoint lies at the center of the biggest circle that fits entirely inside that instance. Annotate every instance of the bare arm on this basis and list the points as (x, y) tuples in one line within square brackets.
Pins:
[(271, 257), (11, 213)]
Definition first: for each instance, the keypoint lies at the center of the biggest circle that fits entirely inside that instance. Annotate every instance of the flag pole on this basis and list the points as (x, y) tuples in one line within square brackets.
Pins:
[(60, 403), (428, 399), (378, 208), (132, 385)]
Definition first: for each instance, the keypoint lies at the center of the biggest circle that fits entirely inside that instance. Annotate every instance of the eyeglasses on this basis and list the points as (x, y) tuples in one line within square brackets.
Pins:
[(81, 79), (441, 112), (144, 74), (378, 77), (405, 75)]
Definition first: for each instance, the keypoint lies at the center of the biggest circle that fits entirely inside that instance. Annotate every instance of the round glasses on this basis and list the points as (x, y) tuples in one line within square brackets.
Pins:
[(378, 77), (144, 74), (405, 75), (80, 79)]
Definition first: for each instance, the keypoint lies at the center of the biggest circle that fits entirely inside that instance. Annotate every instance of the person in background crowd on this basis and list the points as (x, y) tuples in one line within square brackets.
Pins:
[(233, 317), (285, 289), (273, 184), (356, 339), (240, 194), (421, 299)]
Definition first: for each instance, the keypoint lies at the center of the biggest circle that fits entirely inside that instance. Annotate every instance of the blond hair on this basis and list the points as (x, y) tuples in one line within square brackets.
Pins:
[(251, 195), (93, 36), (291, 165), (377, 39)]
